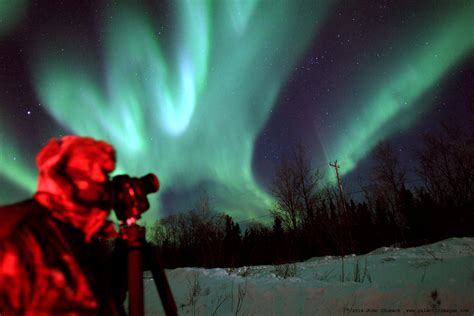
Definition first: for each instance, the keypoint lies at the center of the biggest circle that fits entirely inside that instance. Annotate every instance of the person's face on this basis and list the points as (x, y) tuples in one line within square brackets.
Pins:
[(89, 175)]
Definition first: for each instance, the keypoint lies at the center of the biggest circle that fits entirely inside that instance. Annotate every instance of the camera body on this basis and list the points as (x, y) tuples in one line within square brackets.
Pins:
[(128, 195)]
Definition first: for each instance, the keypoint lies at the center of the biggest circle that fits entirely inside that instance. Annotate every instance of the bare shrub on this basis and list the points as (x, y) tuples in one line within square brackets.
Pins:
[(287, 270), (241, 293), (194, 290)]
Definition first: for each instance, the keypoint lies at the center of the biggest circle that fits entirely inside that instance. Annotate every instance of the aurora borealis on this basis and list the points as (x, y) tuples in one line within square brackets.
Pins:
[(208, 95), (412, 76)]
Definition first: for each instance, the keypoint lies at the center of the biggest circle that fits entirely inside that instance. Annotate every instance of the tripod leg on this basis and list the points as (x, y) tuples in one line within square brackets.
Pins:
[(135, 282), (161, 281), (134, 236)]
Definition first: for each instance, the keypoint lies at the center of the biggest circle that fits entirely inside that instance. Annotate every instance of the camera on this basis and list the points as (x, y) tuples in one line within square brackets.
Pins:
[(128, 195)]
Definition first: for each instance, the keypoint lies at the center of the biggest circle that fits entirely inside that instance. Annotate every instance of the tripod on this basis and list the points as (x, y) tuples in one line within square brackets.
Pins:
[(137, 249)]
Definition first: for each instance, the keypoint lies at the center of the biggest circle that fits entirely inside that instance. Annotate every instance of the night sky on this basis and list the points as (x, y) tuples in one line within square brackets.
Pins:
[(211, 96)]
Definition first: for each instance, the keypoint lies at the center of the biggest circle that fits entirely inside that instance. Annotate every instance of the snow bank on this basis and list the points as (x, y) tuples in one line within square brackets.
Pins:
[(436, 278)]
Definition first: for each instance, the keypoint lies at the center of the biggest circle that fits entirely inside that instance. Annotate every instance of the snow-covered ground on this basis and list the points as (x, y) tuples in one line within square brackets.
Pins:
[(432, 279)]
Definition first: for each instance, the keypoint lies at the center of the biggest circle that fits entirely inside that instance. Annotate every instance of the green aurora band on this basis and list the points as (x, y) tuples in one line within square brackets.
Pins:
[(398, 97), (11, 13), (17, 170), (192, 113)]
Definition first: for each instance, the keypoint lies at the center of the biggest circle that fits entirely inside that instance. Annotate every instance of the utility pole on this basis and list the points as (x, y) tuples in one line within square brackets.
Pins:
[(339, 182), (344, 227)]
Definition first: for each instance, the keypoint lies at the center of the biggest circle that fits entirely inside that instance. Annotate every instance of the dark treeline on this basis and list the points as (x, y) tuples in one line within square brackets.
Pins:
[(312, 220)]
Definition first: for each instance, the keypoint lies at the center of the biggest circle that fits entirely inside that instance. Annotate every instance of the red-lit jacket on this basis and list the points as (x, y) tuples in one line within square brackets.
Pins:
[(46, 268)]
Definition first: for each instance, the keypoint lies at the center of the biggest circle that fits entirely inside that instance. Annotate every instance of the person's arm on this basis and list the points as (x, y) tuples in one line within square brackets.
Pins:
[(14, 282)]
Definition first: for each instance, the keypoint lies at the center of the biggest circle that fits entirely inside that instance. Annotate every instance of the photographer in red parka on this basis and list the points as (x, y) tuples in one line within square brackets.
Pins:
[(51, 259)]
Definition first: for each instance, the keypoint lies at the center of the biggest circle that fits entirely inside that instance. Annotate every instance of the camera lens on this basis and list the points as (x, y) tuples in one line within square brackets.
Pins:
[(150, 183)]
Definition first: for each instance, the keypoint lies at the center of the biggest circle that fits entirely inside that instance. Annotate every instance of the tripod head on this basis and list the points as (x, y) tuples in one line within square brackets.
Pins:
[(128, 196)]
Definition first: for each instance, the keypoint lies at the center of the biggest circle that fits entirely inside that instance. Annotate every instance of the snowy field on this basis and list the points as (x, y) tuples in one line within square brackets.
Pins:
[(436, 279)]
